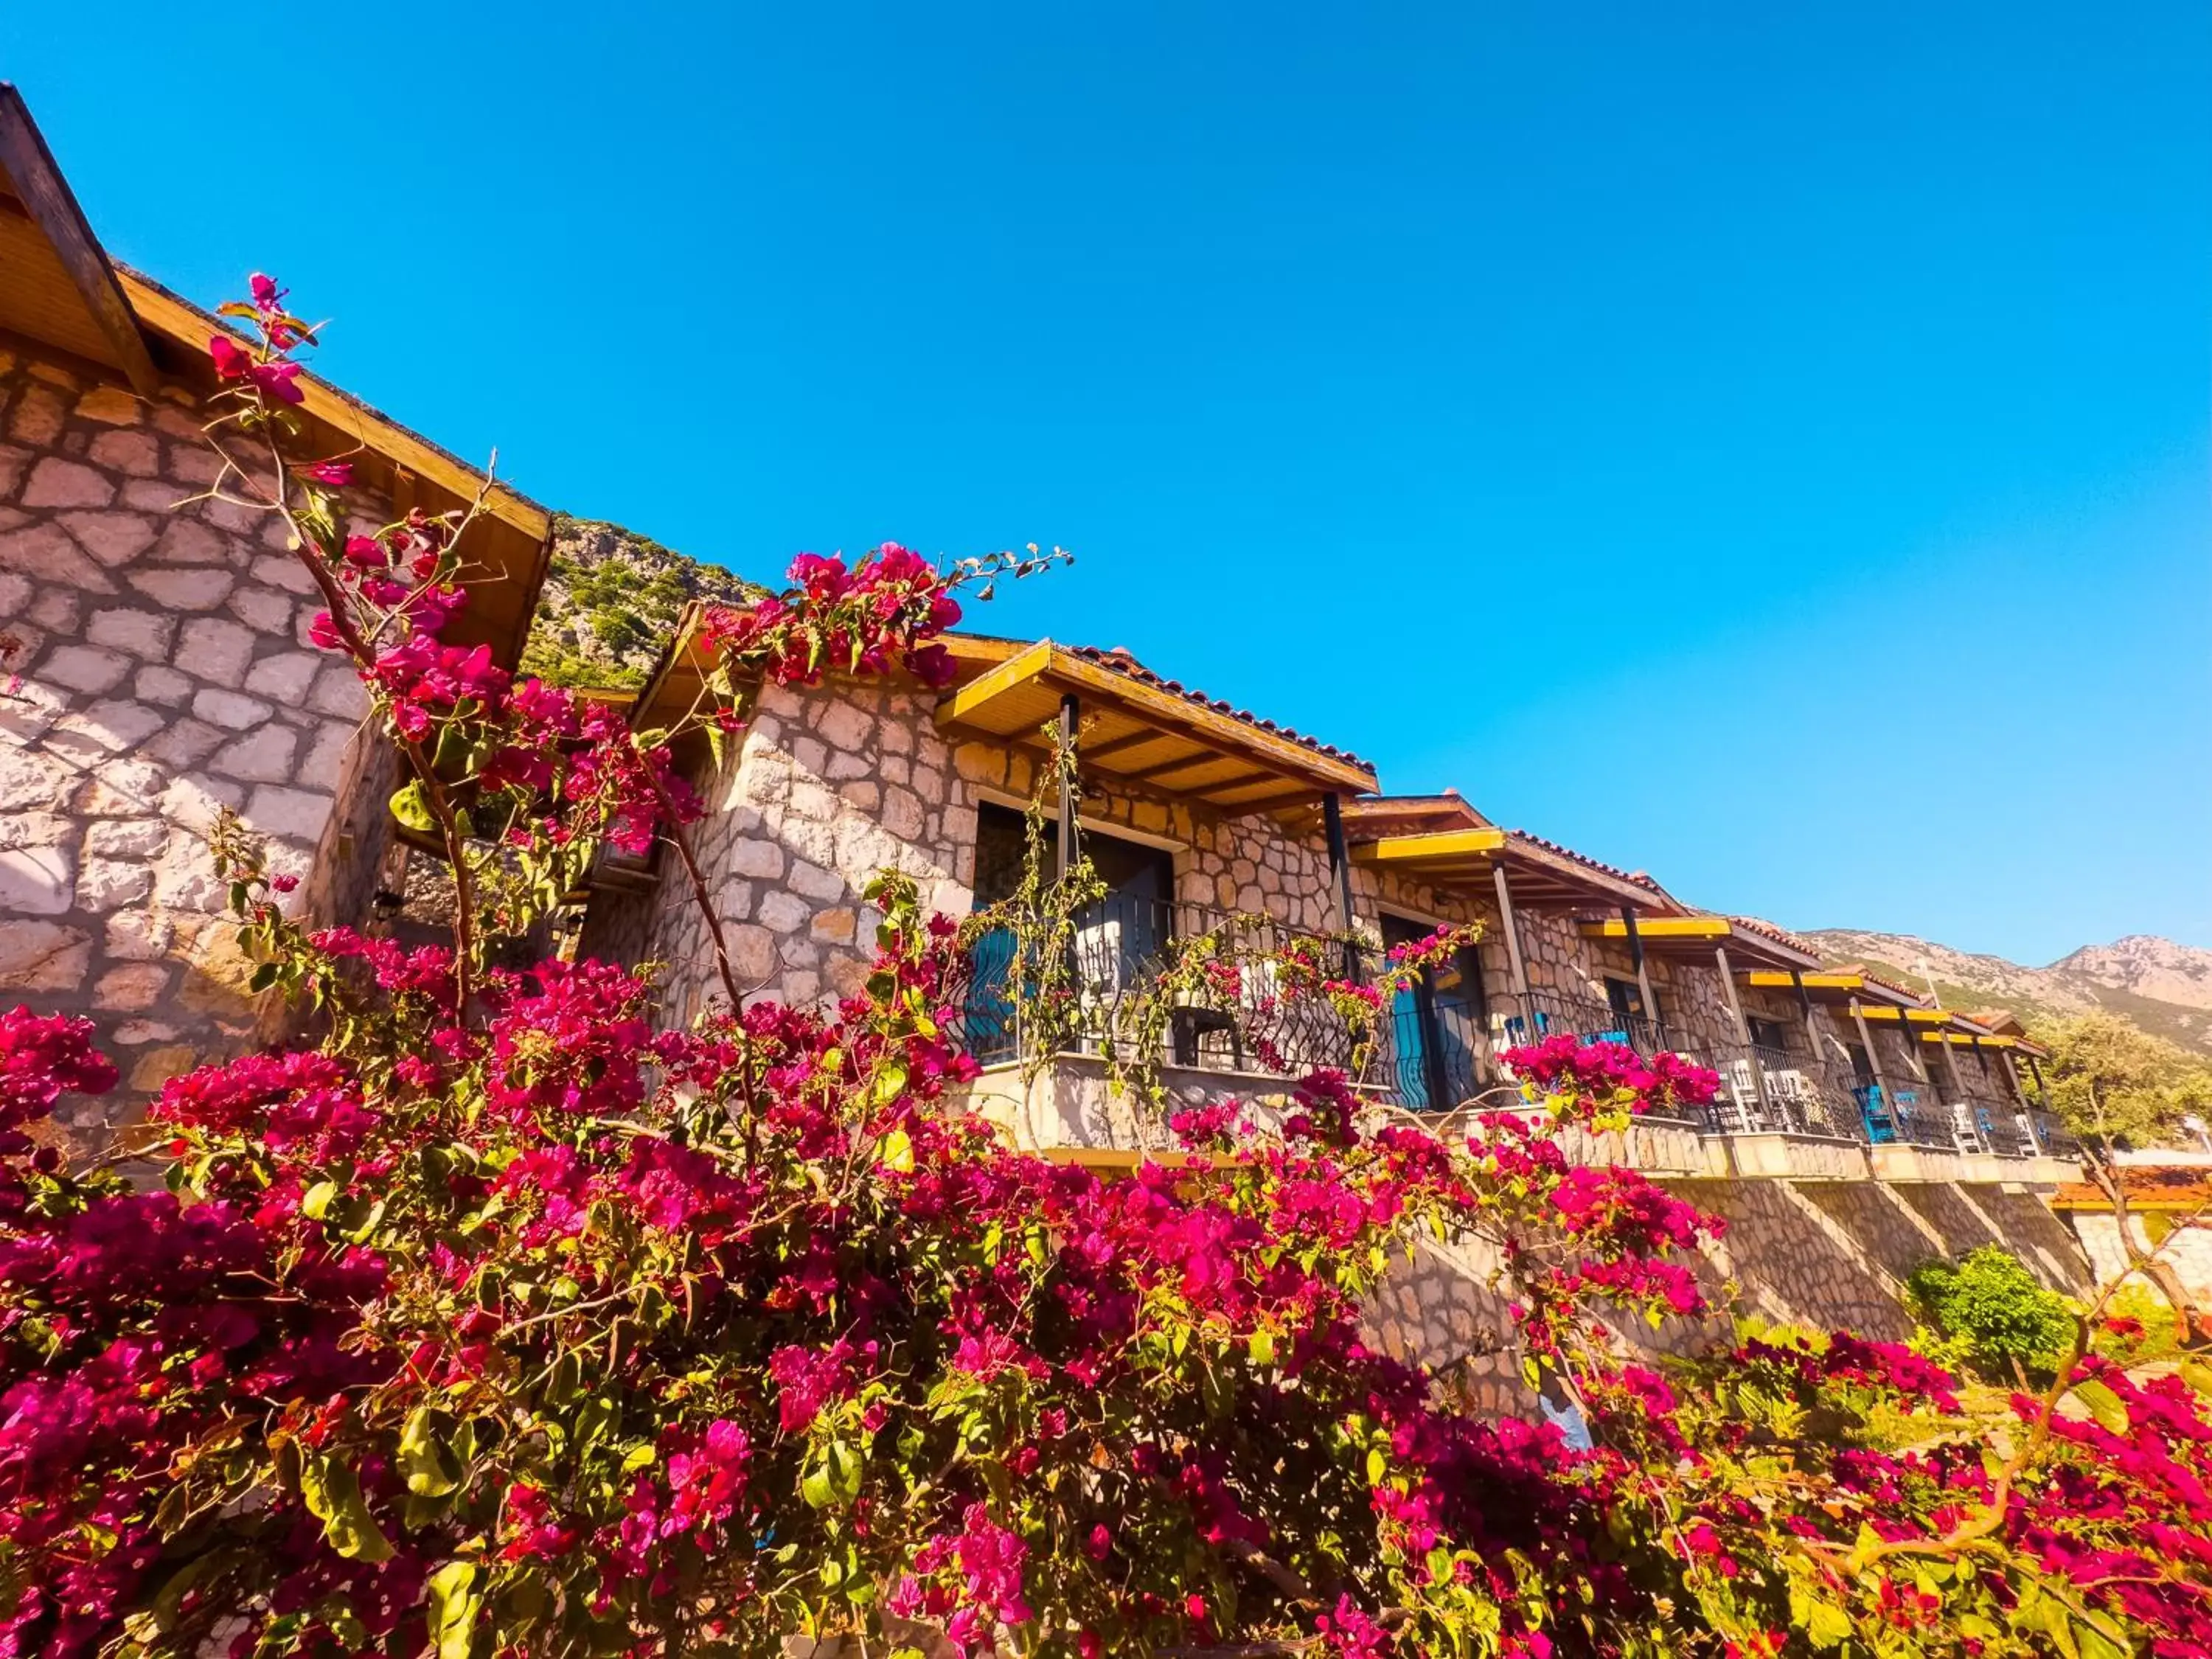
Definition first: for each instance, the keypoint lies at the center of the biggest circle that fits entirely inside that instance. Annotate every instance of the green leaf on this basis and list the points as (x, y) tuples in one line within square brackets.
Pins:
[(2198, 1375), (431, 1470), (2103, 1405), (896, 1153), (410, 808), (454, 1602), (333, 1491), (1262, 1347), (1825, 1623), (317, 1200)]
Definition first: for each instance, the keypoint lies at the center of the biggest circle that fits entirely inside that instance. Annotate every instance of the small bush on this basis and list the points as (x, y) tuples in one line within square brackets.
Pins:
[(2008, 1321)]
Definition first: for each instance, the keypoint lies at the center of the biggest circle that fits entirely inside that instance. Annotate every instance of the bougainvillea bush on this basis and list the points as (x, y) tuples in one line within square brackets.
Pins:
[(497, 1320)]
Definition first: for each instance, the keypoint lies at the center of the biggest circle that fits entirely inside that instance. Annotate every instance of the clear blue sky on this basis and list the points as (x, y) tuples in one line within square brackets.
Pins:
[(1766, 449)]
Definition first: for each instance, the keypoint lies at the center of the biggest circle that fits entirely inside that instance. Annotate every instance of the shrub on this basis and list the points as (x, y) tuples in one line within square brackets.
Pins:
[(2009, 1322)]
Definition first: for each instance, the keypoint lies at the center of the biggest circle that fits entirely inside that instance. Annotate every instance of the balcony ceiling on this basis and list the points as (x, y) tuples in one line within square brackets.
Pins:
[(1538, 874)]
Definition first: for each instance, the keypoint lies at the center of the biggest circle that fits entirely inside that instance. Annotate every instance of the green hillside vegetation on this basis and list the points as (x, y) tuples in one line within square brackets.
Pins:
[(610, 603)]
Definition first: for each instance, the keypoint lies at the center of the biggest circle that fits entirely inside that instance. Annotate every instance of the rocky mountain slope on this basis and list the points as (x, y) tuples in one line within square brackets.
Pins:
[(610, 602), (2164, 987)]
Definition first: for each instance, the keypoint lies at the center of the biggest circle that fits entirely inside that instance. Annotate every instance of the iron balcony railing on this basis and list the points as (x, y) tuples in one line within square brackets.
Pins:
[(1427, 1052)]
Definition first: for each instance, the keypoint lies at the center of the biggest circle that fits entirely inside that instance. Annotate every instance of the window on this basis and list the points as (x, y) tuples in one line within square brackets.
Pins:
[(1625, 998), (1768, 1033)]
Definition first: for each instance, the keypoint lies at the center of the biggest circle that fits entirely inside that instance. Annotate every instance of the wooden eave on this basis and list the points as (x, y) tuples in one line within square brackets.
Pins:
[(60, 290), (1832, 988), (56, 286), (1692, 938), (1538, 876), (505, 552), (1893, 1012), (1136, 735)]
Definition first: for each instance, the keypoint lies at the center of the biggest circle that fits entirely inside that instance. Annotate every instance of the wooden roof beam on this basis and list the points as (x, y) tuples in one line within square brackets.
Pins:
[(46, 197)]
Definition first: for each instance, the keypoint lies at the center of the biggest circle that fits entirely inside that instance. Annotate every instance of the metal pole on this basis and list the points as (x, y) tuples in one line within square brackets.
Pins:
[(1643, 978), (1070, 711), (1512, 930), (1743, 1027), (1340, 861)]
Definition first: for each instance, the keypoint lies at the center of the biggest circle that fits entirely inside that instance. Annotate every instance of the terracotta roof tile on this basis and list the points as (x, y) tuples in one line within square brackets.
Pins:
[(1766, 929)]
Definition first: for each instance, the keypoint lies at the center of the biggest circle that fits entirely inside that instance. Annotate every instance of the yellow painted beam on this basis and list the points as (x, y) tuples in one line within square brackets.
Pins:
[(1431, 848), (1771, 978), (993, 682), (1661, 928)]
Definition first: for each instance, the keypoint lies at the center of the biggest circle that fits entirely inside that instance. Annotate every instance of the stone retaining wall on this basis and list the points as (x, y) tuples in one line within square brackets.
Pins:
[(1828, 1254), (166, 673)]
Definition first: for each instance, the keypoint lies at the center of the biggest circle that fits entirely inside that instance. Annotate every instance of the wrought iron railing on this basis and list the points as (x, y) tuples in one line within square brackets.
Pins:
[(1422, 1054)]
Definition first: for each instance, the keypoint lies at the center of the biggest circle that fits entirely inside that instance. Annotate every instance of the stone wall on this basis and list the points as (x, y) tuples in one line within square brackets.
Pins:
[(165, 673), (1828, 1254), (2097, 1234)]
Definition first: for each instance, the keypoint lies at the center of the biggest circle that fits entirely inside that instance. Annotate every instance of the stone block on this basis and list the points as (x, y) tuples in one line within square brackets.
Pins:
[(42, 955), (45, 553), (138, 453), (901, 812), (56, 482), (36, 881), (752, 952), (35, 830), (338, 691), (285, 571), (233, 710), (142, 633), (285, 676), (325, 761), (128, 838), (811, 881), (85, 668), (121, 789), (57, 609), (111, 725), (194, 804), (267, 609), (300, 814), (761, 859), (136, 1033), (189, 541), (849, 763), (189, 587), (130, 988), (110, 405), (862, 794), (157, 1065), (782, 912), (214, 649), (843, 726), (263, 756), (151, 496), (139, 936), (834, 926), (39, 417), (103, 884), (162, 685), (809, 756), (30, 780)]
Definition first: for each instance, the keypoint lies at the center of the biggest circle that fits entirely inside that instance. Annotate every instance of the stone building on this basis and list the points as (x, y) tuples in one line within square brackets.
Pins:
[(158, 664)]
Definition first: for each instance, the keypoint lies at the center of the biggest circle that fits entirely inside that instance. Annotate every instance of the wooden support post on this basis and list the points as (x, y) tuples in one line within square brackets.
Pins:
[(2042, 1089), (1951, 1066), (1071, 711), (2020, 1094), (1811, 1023), (1743, 1030), (1642, 978), (1339, 862), (1512, 930)]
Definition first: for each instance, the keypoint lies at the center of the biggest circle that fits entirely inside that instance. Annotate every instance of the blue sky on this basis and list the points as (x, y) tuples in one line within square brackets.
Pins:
[(1763, 447)]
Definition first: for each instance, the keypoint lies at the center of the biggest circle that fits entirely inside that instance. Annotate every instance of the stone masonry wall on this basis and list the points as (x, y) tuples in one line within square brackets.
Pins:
[(165, 673), (1828, 1254)]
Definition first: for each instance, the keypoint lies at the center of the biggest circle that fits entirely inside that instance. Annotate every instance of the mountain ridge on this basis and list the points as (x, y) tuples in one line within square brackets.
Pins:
[(2163, 987)]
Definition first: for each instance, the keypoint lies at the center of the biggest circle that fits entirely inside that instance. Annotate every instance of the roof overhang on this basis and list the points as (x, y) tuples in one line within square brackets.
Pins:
[(1537, 875), (1696, 937), (1837, 988), (1136, 736), (59, 288)]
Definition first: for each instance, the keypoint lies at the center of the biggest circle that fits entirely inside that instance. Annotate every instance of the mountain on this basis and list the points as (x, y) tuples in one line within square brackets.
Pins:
[(610, 602), (2164, 987)]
